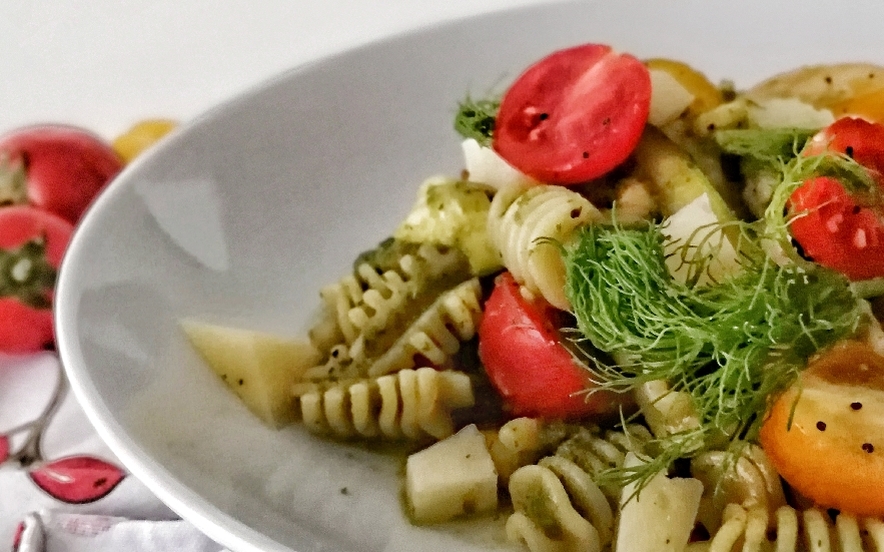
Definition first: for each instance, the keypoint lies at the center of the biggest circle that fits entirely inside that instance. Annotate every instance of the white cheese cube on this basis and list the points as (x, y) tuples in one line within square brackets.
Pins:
[(259, 368), (454, 477), (661, 517)]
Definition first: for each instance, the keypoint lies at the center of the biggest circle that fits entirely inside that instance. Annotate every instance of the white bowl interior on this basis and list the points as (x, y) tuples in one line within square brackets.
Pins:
[(241, 216)]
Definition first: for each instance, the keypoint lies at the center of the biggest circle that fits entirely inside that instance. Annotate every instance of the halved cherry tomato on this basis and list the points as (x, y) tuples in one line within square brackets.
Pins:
[(32, 243), (839, 229), (836, 231), (57, 168), (574, 115), (833, 451), (860, 139), (520, 347)]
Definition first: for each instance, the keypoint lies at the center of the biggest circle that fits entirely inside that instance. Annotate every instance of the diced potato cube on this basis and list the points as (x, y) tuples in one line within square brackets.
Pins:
[(661, 517), (452, 478), (258, 367)]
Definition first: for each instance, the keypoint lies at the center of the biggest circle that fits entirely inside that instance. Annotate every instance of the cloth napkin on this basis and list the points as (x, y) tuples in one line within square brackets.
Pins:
[(61, 488)]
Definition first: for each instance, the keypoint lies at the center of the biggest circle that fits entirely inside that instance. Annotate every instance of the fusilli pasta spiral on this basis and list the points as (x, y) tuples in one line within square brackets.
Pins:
[(411, 404), (558, 505), (524, 223), (811, 530), (429, 339), (749, 480), (367, 303)]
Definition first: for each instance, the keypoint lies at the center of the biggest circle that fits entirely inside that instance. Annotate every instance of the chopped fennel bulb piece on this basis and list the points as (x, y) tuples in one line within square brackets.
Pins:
[(694, 229), (788, 113), (666, 411), (485, 166), (669, 99), (661, 517), (257, 367), (452, 478)]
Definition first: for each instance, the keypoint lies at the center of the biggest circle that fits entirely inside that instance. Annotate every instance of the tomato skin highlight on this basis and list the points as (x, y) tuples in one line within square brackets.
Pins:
[(65, 167), (28, 327), (574, 115), (833, 453), (525, 361)]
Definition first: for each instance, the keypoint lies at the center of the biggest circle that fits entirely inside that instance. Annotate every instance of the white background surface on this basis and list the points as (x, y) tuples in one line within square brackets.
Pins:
[(105, 64)]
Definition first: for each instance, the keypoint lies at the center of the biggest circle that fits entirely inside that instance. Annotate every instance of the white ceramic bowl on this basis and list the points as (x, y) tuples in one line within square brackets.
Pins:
[(241, 216)]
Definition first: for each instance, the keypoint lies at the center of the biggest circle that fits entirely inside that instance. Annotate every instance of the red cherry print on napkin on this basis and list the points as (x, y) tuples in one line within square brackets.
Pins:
[(4, 448), (16, 541), (77, 479)]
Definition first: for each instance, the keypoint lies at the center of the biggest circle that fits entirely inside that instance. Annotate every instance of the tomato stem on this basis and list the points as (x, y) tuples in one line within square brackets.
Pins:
[(26, 274)]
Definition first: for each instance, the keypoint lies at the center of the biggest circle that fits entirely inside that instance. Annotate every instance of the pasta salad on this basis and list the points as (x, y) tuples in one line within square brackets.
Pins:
[(644, 317)]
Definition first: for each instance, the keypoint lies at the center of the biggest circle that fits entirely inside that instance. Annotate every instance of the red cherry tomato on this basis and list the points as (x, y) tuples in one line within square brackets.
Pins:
[(57, 168), (839, 229), (520, 348), (574, 115), (860, 139), (32, 243)]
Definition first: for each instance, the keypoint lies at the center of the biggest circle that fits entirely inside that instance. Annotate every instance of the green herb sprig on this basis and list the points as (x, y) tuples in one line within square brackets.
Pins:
[(731, 344), (475, 119)]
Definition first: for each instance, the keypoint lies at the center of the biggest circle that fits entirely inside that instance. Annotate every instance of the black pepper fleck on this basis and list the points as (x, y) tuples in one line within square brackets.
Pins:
[(240, 382), (849, 151), (821, 426), (868, 447), (585, 154), (856, 405), (544, 116), (828, 79)]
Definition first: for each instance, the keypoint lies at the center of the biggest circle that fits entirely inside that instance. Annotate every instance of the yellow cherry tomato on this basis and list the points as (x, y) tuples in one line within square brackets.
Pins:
[(825, 435), (868, 106), (141, 136)]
